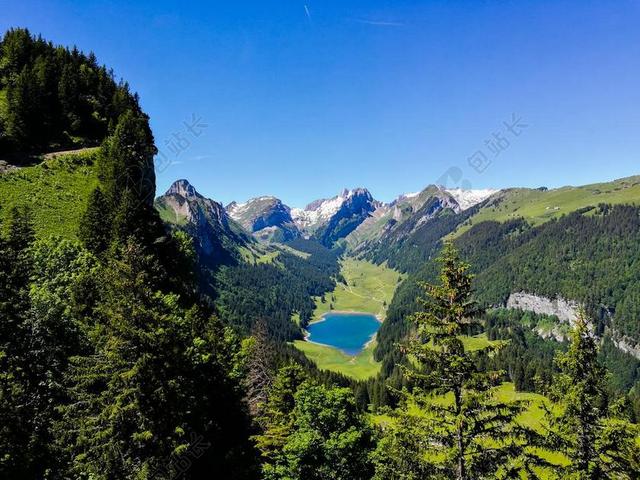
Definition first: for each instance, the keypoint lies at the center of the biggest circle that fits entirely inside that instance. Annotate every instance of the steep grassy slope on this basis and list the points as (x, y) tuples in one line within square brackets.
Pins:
[(367, 288), (538, 206), (56, 191)]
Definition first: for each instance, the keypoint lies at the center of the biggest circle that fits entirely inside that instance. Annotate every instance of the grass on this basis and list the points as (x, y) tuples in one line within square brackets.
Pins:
[(168, 215), (478, 342), (532, 417), (538, 206), (360, 367), (369, 288), (3, 104), (56, 190)]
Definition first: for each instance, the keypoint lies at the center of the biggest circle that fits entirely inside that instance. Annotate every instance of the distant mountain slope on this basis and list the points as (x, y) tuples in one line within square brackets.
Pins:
[(387, 218), (540, 205), (319, 213), (468, 198), (393, 222), (216, 236), (267, 218), (357, 205)]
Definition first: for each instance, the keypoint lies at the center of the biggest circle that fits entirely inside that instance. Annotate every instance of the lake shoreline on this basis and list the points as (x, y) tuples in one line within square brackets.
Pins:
[(367, 344), (378, 316)]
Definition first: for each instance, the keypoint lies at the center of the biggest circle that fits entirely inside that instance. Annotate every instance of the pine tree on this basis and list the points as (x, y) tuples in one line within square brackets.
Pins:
[(599, 441), (122, 206), (19, 439), (160, 389), (277, 418), (463, 430), (260, 369), (95, 225), (313, 432)]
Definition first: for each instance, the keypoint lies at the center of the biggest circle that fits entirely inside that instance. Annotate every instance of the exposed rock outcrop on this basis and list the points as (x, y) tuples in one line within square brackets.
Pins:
[(565, 310), (266, 217), (215, 235)]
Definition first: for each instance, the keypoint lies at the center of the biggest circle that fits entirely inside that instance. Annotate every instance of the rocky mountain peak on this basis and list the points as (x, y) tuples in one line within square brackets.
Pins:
[(183, 188)]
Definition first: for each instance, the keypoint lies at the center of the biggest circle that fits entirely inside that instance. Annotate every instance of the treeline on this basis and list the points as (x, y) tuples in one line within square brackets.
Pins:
[(52, 97), (276, 291), (569, 257), (451, 422)]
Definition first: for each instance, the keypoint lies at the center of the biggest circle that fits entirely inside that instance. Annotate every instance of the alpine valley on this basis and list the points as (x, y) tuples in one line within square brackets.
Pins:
[(483, 334)]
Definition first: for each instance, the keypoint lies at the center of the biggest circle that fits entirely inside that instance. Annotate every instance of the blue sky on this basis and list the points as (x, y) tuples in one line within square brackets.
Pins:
[(303, 98)]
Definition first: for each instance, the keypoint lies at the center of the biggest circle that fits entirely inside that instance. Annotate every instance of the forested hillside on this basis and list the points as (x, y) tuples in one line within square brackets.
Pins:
[(53, 97), (109, 367), (569, 257), (153, 338)]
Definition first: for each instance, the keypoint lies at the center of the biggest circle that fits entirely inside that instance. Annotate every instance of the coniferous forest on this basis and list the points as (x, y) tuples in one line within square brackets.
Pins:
[(126, 354)]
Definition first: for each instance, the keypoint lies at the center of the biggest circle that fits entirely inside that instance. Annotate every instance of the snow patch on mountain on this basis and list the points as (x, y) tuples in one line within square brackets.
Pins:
[(320, 211), (468, 198)]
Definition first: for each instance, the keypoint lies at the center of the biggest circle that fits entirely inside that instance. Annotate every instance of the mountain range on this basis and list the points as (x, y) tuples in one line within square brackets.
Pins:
[(349, 218)]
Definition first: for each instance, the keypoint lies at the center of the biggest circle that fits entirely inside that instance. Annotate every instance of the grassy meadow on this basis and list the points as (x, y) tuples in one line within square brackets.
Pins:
[(56, 190), (540, 206), (360, 367), (369, 288)]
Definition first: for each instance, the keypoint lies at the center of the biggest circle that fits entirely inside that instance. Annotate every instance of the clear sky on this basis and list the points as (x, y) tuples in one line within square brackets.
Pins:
[(304, 97)]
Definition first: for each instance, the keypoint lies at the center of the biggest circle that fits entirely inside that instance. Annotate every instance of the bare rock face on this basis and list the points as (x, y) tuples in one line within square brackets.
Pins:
[(332, 219), (565, 310), (267, 218), (215, 235), (627, 346)]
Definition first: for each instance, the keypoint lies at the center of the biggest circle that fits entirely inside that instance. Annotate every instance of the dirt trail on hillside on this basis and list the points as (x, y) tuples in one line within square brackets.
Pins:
[(16, 161)]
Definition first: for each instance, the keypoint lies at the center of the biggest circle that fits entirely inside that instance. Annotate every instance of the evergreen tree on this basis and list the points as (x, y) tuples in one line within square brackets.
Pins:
[(462, 430), (159, 390), (122, 206), (95, 231), (599, 441), (277, 418), (20, 448), (315, 434), (260, 369)]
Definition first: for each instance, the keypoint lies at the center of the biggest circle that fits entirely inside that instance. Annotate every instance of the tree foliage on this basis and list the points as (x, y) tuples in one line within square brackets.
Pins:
[(313, 432), (597, 439), (463, 430), (56, 97)]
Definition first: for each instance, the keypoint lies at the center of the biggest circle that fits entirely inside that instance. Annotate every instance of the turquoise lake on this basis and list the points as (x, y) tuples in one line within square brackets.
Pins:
[(348, 332)]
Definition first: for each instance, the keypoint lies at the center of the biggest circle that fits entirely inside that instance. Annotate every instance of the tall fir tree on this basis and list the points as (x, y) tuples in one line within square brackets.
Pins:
[(122, 205), (20, 450), (598, 440), (158, 391), (463, 430), (276, 419)]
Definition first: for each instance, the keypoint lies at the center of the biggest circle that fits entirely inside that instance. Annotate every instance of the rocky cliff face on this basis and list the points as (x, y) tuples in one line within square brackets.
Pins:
[(352, 207), (565, 310), (267, 218), (215, 235), (319, 213), (398, 220)]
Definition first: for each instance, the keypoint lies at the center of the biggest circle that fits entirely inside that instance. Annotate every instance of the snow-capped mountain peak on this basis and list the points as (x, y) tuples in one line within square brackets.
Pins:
[(321, 211)]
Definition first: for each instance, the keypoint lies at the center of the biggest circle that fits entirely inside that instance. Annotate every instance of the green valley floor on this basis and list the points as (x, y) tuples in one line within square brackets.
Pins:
[(369, 288)]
